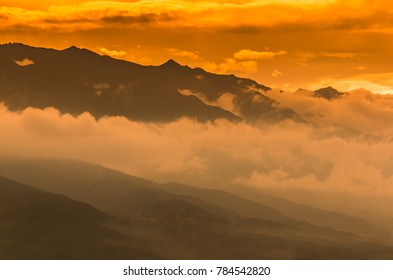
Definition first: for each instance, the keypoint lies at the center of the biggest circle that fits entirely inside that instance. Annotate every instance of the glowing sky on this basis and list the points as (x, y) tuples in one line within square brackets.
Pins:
[(285, 44)]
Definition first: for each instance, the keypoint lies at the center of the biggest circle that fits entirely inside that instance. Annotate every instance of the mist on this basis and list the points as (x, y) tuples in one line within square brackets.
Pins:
[(344, 146)]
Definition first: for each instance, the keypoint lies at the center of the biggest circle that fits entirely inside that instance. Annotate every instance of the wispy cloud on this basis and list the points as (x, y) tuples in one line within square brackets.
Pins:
[(184, 54), (276, 73), (257, 55), (113, 53)]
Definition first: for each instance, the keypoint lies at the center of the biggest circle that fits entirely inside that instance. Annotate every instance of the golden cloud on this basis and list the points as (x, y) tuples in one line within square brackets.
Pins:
[(230, 65), (337, 55), (256, 55), (276, 73), (24, 62), (302, 56), (223, 153), (184, 54), (359, 15), (113, 53)]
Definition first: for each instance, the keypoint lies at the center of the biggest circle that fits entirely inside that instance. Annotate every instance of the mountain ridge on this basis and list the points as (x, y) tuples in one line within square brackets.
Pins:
[(84, 182), (168, 225), (76, 80)]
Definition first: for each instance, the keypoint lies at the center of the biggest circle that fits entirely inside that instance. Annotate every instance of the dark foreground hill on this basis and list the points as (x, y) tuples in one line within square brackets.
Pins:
[(78, 80), (39, 225), (154, 222)]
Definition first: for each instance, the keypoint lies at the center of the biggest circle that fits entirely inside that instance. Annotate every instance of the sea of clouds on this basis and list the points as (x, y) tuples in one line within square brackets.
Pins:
[(344, 144)]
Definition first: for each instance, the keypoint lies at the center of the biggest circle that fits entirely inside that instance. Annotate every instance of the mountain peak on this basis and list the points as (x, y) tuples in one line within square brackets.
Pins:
[(328, 93), (170, 62), (329, 88), (72, 48), (79, 53), (300, 90)]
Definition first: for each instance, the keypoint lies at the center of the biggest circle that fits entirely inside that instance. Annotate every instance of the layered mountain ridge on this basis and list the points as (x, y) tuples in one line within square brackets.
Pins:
[(159, 221)]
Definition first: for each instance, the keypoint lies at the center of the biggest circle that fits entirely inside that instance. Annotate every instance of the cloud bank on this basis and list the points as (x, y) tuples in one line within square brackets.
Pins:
[(354, 14), (346, 145)]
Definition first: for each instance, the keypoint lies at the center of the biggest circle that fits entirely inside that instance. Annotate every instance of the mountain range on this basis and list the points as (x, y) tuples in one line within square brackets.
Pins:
[(68, 209), (102, 213), (77, 80)]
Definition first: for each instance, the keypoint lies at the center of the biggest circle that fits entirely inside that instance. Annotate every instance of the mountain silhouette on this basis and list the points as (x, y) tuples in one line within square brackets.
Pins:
[(120, 194), (77, 80), (328, 93), (40, 225), (167, 221)]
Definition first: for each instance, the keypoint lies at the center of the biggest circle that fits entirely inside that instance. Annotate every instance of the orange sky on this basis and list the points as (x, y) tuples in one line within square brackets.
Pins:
[(286, 44)]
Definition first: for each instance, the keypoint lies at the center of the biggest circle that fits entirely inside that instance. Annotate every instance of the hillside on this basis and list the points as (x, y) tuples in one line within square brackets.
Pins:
[(180, 222), (40, 225)]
